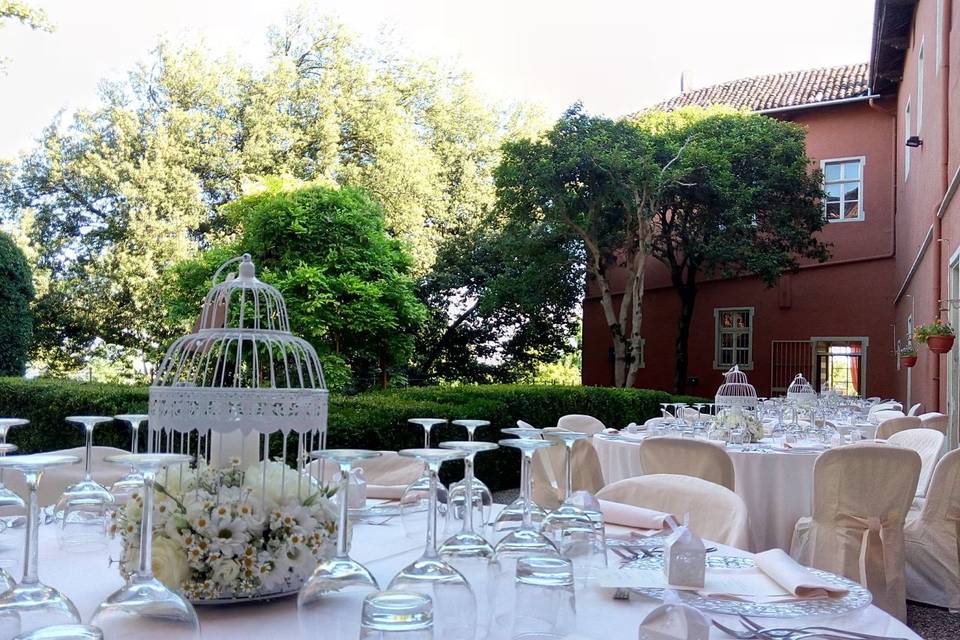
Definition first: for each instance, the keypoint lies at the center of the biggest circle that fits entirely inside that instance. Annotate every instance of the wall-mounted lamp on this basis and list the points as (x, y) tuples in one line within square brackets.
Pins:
[(914, 141)]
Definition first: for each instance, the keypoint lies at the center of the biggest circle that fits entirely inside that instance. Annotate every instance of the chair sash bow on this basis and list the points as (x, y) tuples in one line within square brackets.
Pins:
[(876, 536)]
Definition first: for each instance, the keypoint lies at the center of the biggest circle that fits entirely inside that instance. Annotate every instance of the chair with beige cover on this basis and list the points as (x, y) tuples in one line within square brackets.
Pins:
[(581, 423), (928, 443), (689, 458), (914, 410), (934, 420), (716, 513), (932, 539), (861, 496), (892, 425), (549, 477), (386, 475), (55, 480)]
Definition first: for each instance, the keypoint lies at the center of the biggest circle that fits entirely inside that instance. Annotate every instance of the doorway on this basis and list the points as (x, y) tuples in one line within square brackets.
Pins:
[(840, 363)]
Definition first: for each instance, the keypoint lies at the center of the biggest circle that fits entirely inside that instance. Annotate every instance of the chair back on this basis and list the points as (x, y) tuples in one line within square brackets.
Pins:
[(581, 423), (914, 409), (861, 496), (891, 426), (386, 476), (943, 494), (716, 513), (928, 443), (886, 406), (934, 420), (55, 480), (549, 472), (689, 458)]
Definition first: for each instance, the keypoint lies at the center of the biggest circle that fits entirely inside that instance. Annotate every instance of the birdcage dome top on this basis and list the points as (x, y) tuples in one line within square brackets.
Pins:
[(800, 390), (736, 390), (241, 367)]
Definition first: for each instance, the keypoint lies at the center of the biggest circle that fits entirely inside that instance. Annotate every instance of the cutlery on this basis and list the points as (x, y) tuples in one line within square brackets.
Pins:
[(784, 632)]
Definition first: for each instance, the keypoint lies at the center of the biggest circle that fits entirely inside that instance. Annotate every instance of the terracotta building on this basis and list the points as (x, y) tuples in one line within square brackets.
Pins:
[(891, 218)]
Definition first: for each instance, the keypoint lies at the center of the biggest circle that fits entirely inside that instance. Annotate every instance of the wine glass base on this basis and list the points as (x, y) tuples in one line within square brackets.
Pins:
[(88, 489), (334, 575), (466, 544), (526, 542), (36, 606), (565, 517), (127, 485), (426, 570), (142, 599), (10, 499), (511, 517)]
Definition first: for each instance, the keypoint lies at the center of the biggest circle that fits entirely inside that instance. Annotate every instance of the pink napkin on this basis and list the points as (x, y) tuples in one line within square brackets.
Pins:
[(793, 577), (631, 516), (385, 492)]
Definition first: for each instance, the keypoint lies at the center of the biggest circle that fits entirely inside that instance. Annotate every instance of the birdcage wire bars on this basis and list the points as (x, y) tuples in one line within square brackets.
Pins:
[(736, 391)]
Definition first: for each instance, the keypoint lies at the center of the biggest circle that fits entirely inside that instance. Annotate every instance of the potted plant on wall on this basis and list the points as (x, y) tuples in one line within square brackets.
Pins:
[(937, 335), (908, 356)]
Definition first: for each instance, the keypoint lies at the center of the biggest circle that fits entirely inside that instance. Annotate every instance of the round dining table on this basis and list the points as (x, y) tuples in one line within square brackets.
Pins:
[(87, 578)]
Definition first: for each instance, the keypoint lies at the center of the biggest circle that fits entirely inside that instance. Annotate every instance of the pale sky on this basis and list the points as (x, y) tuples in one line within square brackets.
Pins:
[(616, 56)]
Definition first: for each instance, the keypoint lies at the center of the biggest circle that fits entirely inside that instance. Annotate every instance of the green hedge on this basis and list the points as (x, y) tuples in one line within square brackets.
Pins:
[(374, 420)]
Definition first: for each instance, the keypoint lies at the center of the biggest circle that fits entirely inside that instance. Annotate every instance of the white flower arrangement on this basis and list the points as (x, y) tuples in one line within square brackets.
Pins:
[(227, 533), (731, 418)]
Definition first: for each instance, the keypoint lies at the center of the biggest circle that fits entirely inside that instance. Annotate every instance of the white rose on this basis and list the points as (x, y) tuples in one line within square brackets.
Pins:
[(225, 572), (169, 562)]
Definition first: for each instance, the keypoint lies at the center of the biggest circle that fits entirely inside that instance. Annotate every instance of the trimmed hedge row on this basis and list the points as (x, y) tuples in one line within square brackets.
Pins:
[(374, 420)]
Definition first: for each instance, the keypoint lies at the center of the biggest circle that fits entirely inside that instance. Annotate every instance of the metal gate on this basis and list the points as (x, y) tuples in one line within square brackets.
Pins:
[(787, 359)]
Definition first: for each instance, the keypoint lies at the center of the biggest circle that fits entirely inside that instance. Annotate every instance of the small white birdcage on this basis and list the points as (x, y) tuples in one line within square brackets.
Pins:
[(241, 376), (736, 391), (801, 392)]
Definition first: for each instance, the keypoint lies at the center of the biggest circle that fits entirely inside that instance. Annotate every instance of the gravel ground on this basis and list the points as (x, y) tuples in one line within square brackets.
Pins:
[(930, 623)]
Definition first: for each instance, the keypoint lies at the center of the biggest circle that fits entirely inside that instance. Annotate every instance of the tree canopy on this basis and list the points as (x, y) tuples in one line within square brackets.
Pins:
[(16, 293)]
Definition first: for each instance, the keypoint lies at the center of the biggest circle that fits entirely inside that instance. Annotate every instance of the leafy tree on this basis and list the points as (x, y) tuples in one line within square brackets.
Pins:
[(23, 13), (597, 180), (739, 200), (135, 185), (347, 284), (16, 293)]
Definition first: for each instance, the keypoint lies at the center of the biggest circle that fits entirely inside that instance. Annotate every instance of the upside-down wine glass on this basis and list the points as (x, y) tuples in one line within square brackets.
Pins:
[(511, 516), (567, 515), (83, 510), (145, 608), (414, 498), (133, 481), (332, 597), (454, 604), (482, 496), (468, 551), (30, 604), (7, 497)]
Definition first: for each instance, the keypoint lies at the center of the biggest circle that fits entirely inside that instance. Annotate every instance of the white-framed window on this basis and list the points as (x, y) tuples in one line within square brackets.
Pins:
[(734, 337), (920, 87), (908, 131), (843, 184)]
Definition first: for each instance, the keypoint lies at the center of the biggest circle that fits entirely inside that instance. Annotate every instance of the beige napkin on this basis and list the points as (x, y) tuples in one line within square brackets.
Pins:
[(795, 578), (385, 492), (630, 516)]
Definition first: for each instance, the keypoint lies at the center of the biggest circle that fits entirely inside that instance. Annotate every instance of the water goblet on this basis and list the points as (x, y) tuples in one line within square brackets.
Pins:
[(332, 596), (396, 615), (63, 632), (480, 491), (30, 604), (414, 498), (145, 607), (83, 511), (472, 426), (567, 515), (511, 516), (7, 497), (133, 481), (454, 604)]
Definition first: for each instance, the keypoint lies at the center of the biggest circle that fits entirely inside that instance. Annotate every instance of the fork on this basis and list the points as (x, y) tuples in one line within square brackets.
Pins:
[(784, 632), (787, 634)]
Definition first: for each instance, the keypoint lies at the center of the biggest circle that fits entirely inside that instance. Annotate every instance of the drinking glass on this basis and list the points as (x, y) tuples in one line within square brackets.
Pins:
[(414, 499), (481, 493), (63, 632), (454, 604), (331, 599), (31, 604), (545, 602), (396, 615), (472, 426), (567, 515), (145, 608), (511, 516), (83, 510), (133, 481), (468, 551), (7, 497)]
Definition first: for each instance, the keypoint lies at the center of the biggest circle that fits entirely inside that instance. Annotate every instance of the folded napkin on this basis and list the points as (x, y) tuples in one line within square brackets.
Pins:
[(385, 491), (630, 516), (795, 578), (610, 432)]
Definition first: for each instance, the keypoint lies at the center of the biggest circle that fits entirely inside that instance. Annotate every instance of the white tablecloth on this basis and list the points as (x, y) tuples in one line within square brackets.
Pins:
[(86, 579), (777, 487)]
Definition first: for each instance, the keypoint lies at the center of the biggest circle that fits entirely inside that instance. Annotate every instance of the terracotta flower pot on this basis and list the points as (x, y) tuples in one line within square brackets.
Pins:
[(908, 361), (940, 344)]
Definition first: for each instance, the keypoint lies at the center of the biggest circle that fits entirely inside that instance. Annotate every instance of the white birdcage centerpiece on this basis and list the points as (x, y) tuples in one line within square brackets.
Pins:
[(241, 523), (801, 392), (735, 401)]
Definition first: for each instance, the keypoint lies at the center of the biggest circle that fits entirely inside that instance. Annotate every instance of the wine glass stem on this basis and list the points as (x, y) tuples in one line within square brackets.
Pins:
[(468, 494), (470, 433), (342, 549), (145, 570), (134, 446), (430, 550), (30, 547), (426, 437), (525, 472), (86, 463), (568, 470)]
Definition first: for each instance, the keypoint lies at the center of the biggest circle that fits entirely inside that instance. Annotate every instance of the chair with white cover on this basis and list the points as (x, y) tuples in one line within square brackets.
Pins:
[(934, 420), (861, 496), (689, 458), (386, 476), (549, 472), (716, 513), (914, 410), (932, 539), (886, 406), (55, 480), (879, 416), (891, 426), (928, 443), (581, 423)]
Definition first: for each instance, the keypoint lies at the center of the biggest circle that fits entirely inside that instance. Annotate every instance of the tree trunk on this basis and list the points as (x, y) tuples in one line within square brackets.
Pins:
[(636, 316), (384, 381), (688, 296)]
